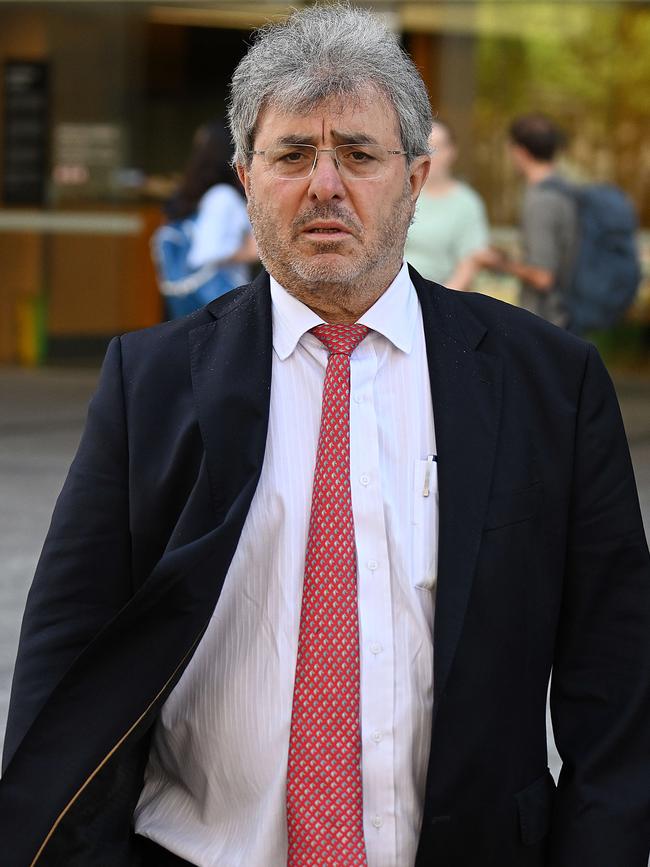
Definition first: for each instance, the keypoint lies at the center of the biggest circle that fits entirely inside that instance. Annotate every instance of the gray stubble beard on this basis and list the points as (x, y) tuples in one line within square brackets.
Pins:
[(304, 277)]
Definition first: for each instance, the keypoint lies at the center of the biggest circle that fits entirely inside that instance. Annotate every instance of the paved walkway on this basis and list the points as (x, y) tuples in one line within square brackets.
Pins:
[(41, 415)]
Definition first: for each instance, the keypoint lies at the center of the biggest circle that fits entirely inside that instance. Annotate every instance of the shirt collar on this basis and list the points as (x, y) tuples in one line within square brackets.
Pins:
[(291, 319), (394, 315)]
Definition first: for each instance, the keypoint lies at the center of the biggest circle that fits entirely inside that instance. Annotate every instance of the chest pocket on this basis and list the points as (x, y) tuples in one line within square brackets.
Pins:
[(424, 524)]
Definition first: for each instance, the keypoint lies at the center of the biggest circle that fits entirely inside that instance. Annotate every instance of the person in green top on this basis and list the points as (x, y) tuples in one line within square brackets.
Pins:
[(450, 223)]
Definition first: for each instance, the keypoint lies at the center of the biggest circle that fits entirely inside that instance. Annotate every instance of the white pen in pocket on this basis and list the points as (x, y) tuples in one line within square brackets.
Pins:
[(424, 519), (431, 459)]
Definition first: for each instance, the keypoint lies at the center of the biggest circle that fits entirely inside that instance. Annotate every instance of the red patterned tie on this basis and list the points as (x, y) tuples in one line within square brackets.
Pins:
[(324, 794)]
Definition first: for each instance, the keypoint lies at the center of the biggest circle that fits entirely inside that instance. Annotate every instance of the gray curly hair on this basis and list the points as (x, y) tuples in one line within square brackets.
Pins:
[(322, 52)]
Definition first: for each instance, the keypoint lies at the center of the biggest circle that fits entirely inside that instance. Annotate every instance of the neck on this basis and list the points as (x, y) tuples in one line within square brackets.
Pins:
[(538, 172), (337, 304), (340, 316)]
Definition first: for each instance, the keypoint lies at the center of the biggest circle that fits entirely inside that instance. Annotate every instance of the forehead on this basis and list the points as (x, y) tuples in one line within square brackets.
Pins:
[(367, 114)]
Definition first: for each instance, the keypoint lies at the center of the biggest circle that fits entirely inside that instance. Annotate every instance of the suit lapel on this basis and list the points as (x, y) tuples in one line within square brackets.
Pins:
[(466, 394), (231, 379)]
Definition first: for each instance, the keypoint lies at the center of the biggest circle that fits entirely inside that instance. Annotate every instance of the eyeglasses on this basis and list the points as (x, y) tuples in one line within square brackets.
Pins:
[(356, 162)]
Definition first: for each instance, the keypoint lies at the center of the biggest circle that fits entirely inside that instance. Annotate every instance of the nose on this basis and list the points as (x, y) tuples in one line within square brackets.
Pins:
[(325, 182)]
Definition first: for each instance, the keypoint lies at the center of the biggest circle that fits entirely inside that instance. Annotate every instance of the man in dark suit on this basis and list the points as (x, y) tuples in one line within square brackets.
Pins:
[(324, 540)]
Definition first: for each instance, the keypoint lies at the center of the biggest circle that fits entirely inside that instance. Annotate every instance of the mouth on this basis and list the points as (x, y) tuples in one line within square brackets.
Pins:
[(326, 231)]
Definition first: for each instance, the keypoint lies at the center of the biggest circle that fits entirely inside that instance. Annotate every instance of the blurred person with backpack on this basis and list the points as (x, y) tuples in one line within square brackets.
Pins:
[(580, 267), (450, 223), (204, 249)]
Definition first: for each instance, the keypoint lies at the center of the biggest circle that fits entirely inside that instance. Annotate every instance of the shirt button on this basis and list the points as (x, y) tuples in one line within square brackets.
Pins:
[(377, 822), (364, 479), (375, 648), (373, 565), (377, 736), (358, 397)]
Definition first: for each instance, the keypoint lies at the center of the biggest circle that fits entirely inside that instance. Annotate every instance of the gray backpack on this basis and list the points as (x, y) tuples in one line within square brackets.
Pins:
[(606, 271)]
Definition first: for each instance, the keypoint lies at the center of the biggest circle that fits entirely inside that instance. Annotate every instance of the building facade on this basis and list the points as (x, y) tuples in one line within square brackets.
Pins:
[(99, 101)]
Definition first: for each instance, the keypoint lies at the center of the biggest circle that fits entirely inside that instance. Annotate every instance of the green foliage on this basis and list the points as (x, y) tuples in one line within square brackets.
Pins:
[(585, 64)]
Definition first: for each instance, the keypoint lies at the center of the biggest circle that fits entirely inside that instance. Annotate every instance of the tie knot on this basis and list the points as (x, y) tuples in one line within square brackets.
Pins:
[(342, 339)]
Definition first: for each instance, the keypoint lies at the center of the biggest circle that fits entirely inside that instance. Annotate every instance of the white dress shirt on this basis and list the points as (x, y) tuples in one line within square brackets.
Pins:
[(215, 784)]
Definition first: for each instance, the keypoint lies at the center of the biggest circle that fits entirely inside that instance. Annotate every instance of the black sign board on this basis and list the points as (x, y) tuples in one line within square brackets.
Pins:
[(25, 139)]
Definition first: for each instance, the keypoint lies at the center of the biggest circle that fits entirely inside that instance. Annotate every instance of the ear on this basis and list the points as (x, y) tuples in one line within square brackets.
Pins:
[(242, 174), (418, 173)]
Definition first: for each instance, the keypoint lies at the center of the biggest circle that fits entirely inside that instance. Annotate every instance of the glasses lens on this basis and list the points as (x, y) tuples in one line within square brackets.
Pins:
[(361, 160), (291, 161)]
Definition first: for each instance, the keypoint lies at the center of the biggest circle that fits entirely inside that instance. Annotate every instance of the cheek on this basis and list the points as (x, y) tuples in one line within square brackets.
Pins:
[(371, 203), (281, 204), (377, 205)]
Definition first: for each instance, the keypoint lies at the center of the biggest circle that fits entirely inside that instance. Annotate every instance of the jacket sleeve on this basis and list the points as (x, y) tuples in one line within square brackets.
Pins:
[(600, 693), (83, 576)]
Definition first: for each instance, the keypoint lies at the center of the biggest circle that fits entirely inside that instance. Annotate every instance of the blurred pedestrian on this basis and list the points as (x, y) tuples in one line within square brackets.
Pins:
[(549, 222), (450, 222), (204, 249)]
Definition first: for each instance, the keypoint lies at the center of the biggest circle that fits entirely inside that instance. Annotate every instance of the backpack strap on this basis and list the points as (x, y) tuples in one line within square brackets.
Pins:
[(189, 284)]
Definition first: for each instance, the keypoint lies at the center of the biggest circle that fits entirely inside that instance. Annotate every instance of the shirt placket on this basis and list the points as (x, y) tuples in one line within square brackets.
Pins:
[(375, 614)]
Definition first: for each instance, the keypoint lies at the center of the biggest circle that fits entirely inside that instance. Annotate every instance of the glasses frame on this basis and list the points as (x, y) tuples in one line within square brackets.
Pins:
[(337, 163)]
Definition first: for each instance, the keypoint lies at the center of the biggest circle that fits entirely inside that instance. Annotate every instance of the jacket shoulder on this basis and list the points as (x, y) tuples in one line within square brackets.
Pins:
[(505, 325), (166, 338)]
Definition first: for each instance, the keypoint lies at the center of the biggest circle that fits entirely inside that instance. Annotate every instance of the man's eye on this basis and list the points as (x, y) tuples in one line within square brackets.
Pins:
[(359, 156), (292, 157)]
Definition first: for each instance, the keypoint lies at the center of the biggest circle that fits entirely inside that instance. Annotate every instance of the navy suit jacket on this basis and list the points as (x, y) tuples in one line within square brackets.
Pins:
[(543, 565)]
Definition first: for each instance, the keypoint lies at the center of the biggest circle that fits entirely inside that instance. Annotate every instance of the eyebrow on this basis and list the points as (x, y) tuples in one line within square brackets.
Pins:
[(354, 137), (342, 137), (298, 138)]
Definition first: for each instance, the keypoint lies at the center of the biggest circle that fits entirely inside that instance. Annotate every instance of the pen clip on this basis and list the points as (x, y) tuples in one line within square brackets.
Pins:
[(427, 476)]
